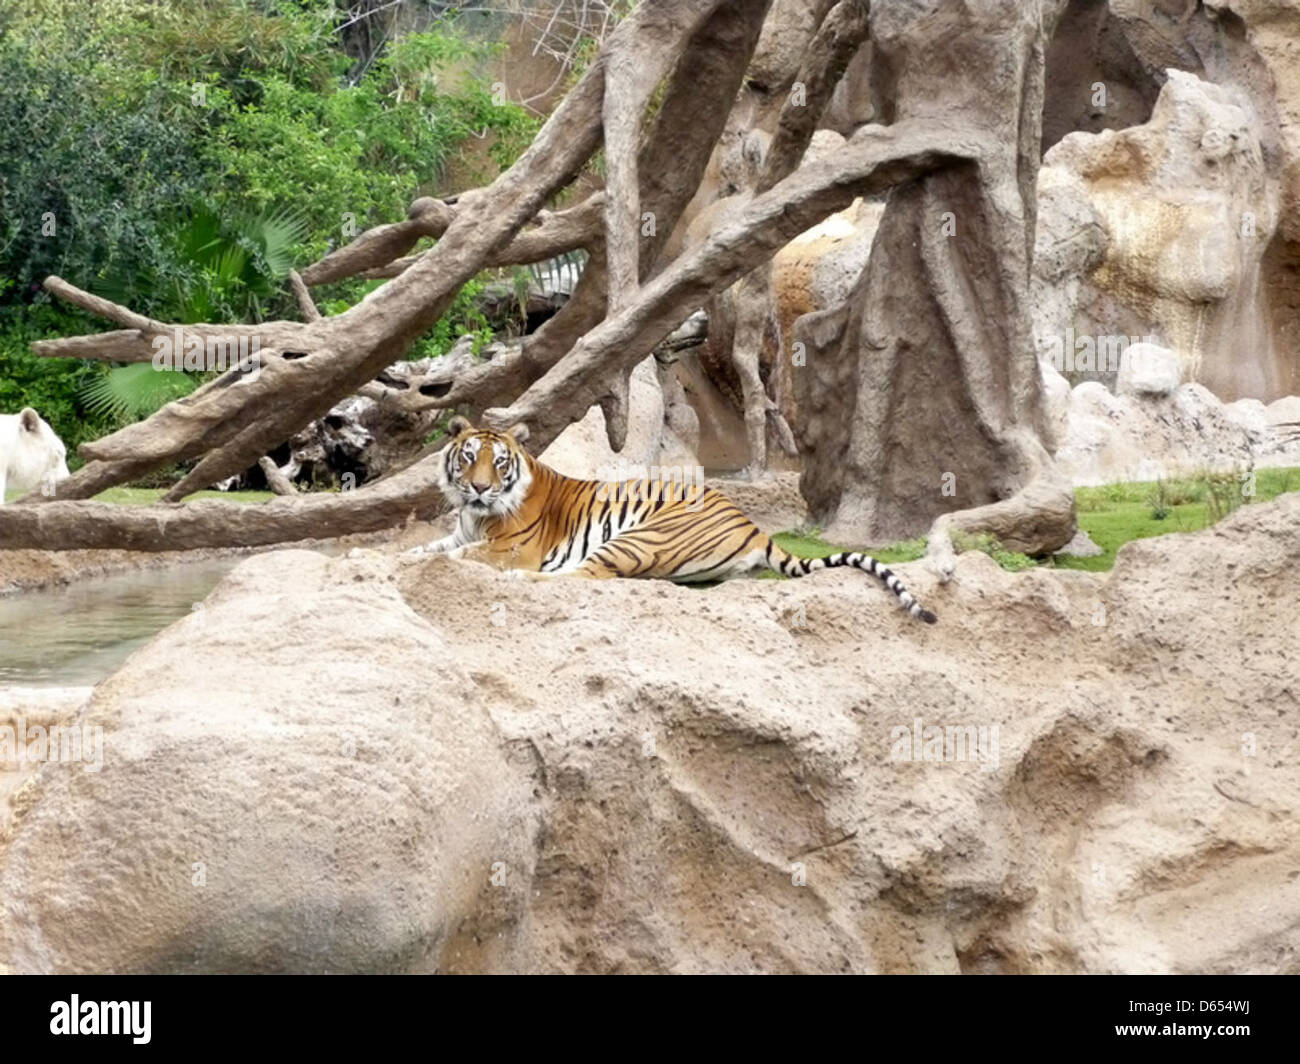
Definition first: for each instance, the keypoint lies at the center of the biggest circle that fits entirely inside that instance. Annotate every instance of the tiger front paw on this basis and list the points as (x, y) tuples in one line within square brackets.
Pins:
[(529, 574)]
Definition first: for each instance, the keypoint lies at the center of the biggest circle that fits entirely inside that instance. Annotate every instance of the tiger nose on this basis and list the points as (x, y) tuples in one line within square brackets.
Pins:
[(480, 486)]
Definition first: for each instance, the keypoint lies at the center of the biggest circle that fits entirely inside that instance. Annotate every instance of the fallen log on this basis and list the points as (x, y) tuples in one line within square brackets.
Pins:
[(81, 525)]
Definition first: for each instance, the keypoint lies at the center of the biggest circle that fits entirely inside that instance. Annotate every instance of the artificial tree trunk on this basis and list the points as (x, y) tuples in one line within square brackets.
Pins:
[(678, 67), (921, 394)]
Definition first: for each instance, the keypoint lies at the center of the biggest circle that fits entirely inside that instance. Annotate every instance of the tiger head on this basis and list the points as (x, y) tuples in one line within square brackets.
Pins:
[(487, 472)]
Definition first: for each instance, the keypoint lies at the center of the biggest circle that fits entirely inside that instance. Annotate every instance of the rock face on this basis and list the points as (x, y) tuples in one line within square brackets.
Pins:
[(1159, 232), (635, 777), (1107, 65), (1168, 211), (292, 780), (1156, 428)]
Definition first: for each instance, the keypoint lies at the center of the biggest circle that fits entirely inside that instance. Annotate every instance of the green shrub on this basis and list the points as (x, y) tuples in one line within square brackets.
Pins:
[(1223, 493), (177, 155), (1012, 561), (51, 385), (86, 179)]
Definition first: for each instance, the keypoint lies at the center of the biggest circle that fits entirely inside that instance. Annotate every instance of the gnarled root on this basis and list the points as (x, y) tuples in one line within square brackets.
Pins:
[(1038, 519)]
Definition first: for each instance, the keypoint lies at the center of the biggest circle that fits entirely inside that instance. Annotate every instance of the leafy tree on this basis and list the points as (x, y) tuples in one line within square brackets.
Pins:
[(179, 156)]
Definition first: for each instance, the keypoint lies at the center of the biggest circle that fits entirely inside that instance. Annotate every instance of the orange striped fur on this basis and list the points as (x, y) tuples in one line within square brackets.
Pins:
[(519, 514)]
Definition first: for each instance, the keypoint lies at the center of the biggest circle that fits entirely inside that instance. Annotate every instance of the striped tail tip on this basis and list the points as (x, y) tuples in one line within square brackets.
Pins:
[(928, 617)]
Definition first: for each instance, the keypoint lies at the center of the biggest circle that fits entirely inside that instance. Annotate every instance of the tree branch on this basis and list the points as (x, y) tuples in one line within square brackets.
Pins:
[(306, 304), (635, 63), (188, 526), (673, 161), (824, 63), (874, 159)]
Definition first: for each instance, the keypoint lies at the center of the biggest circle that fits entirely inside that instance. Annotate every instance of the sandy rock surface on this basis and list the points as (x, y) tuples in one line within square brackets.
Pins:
[(295, 778), (628, 776)]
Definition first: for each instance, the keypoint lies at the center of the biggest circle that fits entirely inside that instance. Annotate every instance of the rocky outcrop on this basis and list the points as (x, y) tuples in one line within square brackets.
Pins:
[(1154, 223), (1151, 427), (1107, 65), (635, 777), (1158, 233)]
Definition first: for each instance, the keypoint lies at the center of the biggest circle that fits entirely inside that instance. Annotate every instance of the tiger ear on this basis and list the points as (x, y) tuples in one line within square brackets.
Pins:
[(458, 425), (29, 420), (518, 432)]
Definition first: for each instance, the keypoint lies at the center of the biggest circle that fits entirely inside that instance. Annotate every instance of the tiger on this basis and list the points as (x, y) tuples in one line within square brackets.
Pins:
[(520, 515)]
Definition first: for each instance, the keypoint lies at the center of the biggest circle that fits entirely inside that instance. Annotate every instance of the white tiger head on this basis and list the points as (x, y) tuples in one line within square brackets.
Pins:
[(31, 453)]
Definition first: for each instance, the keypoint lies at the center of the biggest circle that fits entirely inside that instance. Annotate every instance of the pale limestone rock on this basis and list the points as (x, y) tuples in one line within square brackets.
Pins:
[(582, 450), (1148, 369), (1186, 208), (298, 777), (1283, 411), (1148, 436)]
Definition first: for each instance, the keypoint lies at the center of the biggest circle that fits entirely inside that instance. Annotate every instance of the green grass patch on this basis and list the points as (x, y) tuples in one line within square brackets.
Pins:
[(1111, 514), (807, 543), (1115, 514)]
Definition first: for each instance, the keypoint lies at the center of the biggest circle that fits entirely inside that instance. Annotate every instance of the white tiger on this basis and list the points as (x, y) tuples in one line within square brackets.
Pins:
[(30, 453)]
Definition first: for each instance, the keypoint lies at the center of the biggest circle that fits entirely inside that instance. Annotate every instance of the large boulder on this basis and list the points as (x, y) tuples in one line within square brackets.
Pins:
[(1149, 369), (765, 776), (297, 777)]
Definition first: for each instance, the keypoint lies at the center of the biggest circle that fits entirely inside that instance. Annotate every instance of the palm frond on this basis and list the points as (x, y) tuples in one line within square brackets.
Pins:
[(200, 238), (134, 391), (275, 233)]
